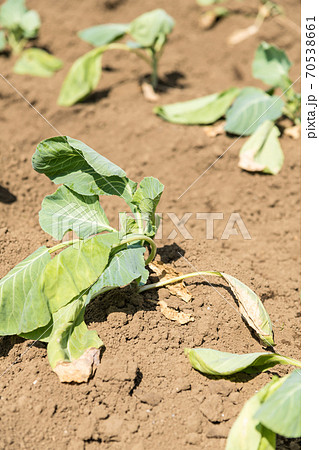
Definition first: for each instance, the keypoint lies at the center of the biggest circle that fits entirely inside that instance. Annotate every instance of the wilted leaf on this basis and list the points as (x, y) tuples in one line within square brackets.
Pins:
[(30, 24), (165, 272), (247, 433), (151, 28), (76, 269), (149, 93), (281, 411), (65, 210), (71, 162), (215, 130), (252, 309), (174, 315), (82, 78), (214, 362), (271, 65), (103, 34), (199, 111), (262, 152), (38, 63), (22, 307), (251, 108)]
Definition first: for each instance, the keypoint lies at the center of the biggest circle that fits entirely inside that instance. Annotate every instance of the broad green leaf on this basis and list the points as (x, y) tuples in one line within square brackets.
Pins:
[(30, 24), (200, 111), (271, 65), (71, 344), (38, 63), (145, 201), (74, 270), (247, 433), (262, 152), (82, 78), (103, 34), (151, 27), (281, 412), (216, 363), (69, 161), (39, 334), (65, 210), (125, 266), (127, 224), (251, 108), (11, 13), (3, 41), (252, 309), (22, 307)]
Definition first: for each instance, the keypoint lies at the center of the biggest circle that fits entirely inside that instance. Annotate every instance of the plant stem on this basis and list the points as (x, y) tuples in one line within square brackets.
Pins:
[(119, 46), (147, 287), (62, 245), (142, 237), (154, 76)]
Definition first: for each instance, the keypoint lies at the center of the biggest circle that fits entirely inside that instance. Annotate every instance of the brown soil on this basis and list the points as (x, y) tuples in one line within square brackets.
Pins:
[(145, 394)]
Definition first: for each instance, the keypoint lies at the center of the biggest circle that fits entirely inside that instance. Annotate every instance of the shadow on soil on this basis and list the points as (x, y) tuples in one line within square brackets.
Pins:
[(6, 196)]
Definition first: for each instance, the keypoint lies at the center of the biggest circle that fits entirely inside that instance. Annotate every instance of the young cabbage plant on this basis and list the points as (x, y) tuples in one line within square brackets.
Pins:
[(275, 409), (44, 297), (149, 33), (248, 112), (18, 25)]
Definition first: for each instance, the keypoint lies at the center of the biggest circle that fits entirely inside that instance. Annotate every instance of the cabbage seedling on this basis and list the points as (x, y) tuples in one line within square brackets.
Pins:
[(149, 31), (17, 26), (249, 111), (44, 297)]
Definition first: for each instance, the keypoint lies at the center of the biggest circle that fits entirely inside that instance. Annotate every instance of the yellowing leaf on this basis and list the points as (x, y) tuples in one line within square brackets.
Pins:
[(262, 152), (252, 309)]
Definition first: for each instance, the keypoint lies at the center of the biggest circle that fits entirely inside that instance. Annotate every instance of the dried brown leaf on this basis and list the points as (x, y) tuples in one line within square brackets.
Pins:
[(165, 272), (240, 35), (79, 370), (207, 20), (149, 93), (247, 162), (174, 315), (215, 130)]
